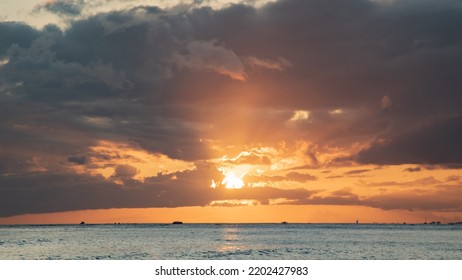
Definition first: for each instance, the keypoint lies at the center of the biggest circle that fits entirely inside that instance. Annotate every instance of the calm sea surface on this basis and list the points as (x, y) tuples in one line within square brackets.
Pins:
[(231, 241)]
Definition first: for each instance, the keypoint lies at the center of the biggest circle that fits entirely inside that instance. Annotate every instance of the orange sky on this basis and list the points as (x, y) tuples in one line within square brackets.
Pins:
[(242, 214)]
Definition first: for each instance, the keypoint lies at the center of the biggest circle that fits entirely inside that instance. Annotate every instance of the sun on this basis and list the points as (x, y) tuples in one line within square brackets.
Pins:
[(232, 176), (231, 181)]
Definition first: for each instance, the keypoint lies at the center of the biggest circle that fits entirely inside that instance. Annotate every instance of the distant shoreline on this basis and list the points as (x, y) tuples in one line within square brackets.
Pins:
[(218, 224)]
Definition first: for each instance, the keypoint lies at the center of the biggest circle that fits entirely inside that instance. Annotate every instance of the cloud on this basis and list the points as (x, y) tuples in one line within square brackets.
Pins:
[(339, 197), (278, 64), (78, 159), (300, 115), (365, 82), (413, 169), (445, 198), (300, 177), (262, 194), (356, 172), (386, 102), (45, 192), (436, 142), (211, 56), (215, 57), (16, 33), (426, 181), (62, 7), (453, 178), (125, 171), (252, 157), (233, 203), (289, 177)]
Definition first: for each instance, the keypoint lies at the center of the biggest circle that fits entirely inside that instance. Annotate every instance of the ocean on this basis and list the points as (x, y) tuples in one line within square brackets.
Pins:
[(231, 242)]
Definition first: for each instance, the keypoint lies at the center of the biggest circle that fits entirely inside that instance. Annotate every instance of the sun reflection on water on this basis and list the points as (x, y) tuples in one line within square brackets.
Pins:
[(230, 240)]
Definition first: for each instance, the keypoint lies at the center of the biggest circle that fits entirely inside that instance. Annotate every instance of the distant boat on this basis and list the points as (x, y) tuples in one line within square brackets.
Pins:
[(284, 222), (82, 222), (177, 223)]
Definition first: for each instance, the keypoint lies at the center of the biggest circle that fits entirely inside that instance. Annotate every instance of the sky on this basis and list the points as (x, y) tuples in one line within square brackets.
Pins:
[(230, 111)]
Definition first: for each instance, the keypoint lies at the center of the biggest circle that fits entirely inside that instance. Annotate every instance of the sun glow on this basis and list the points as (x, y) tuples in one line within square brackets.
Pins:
[(233, 176), (231, 181)]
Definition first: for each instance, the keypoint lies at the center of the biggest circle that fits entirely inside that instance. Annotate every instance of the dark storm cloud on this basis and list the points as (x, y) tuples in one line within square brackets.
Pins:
[(44, 193), (40, 192), (437, 142), (73, 82), (16, 33), (404, 56), (145, 76)]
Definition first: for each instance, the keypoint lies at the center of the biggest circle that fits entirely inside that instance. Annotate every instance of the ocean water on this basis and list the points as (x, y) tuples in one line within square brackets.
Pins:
[(231, 241)]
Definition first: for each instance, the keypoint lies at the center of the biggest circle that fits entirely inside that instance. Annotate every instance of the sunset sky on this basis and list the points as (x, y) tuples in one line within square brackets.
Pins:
[(230, 111)]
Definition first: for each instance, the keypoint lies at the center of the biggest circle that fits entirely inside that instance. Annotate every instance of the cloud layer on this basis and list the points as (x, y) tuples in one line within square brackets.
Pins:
[(318, 84)]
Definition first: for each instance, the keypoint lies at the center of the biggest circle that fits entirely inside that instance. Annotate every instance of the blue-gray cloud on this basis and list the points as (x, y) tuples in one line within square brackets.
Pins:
[(62, 7)]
